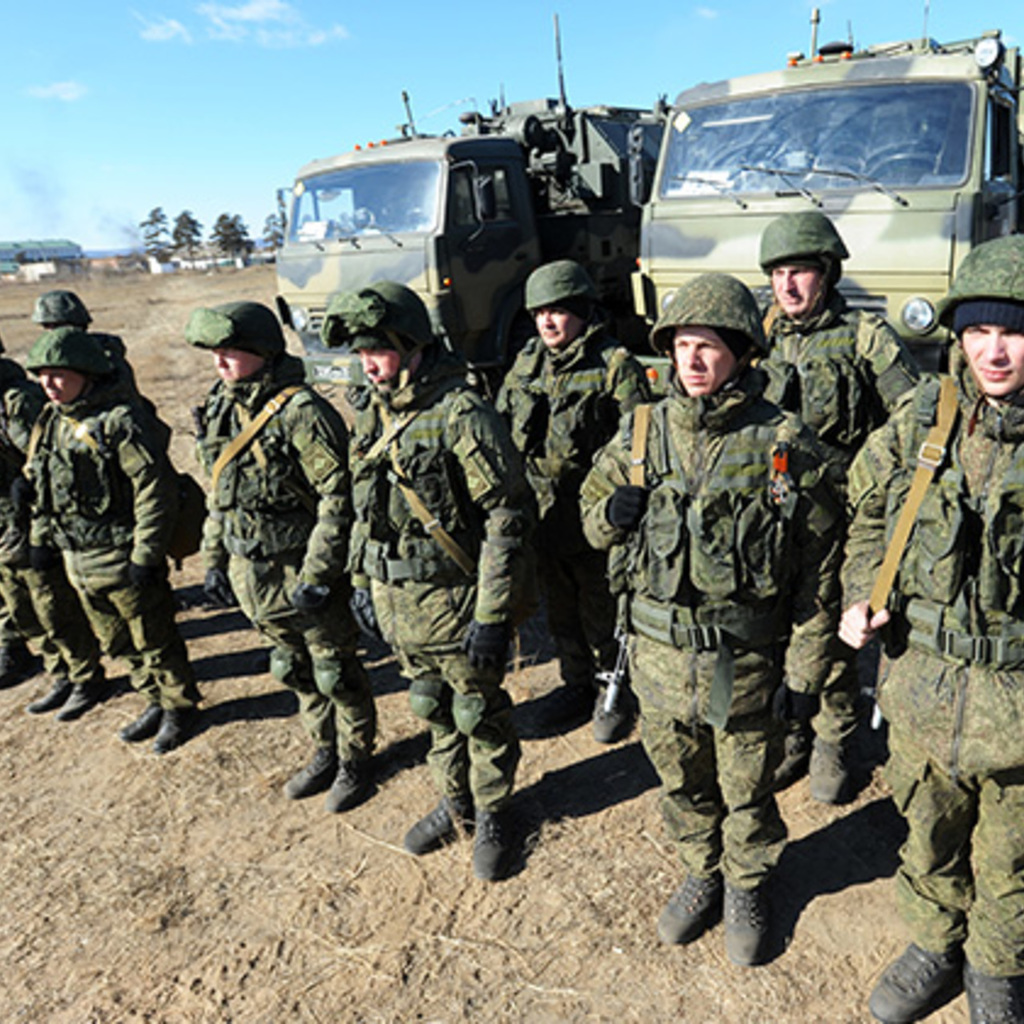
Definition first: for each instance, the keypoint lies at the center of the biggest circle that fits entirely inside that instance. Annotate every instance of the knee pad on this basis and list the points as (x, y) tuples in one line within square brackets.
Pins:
[(283, 665), (472, 710), (429, 699)]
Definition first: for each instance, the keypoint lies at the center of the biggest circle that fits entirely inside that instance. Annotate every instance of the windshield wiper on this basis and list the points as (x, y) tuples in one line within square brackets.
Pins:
[(786, 174), (838, 172), (716, 185)]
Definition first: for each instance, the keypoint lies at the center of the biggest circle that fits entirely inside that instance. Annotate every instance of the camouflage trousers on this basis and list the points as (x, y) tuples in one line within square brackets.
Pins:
[(581, 614), (312, 653), (136, 624), (961, 874), (717, 798), (43, 609), (841, 704)]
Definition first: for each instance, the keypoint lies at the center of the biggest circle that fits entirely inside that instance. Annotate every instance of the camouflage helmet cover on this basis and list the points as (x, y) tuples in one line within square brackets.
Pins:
[(793, 236), (992, 270), (557, 281), (717, 301), (69, 348), (382, 315), (248, 326), (61, 307)]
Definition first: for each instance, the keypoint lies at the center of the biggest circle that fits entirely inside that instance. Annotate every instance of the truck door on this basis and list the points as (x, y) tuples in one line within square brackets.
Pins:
[(492, 246), (1001, 189)]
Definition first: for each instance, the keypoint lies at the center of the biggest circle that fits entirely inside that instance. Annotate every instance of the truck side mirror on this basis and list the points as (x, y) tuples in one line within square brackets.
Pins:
[(486, 200), (640, 172)]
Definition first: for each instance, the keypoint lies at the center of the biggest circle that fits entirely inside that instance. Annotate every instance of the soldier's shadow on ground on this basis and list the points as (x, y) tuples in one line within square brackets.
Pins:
[(259, 707), (579, 790), (224, 620), (853, 850), (253, 661)]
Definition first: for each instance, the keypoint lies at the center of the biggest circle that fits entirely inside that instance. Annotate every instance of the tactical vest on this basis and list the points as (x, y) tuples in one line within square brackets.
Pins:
[(80, 484), (830, 384), (393, 544), (264, 501), (966, 554), (713, 554), (559, 418)]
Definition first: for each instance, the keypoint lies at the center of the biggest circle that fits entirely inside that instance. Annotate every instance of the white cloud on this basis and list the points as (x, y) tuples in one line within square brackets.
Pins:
[(269, 23), (67, 92), (707, 13), (162, 30)]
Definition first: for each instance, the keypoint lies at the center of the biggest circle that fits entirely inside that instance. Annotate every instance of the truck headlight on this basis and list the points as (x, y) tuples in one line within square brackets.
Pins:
[(918, 315), (988, 53)]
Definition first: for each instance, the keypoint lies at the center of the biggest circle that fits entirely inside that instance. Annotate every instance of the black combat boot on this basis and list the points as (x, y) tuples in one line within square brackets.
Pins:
[(56, 696), (144, 726), (175, 727), (691, 909), (16, 664), (352, 785), (315, 777), (566, 706), (993, 1000), (915, 984), (491, 845), (440, 826), (830, 777), (746, 925), (83, 697)]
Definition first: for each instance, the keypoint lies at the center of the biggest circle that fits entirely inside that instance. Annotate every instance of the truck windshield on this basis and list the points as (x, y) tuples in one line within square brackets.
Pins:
[(377, 199), (862, 137)]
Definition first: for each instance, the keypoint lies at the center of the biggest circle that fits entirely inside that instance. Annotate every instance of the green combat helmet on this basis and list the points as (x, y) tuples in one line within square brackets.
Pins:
[(808, 235), (992, 270), (247, 326), (382, 315), (69, 348), (61, 307), (555, 282), (717, 301)]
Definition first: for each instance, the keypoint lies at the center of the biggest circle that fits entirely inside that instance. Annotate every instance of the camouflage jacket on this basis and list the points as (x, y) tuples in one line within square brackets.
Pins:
[(956, 640), (289, 488), (102, 477), (20, 403), (454, 451), (561, 407), (740, 540), (842, 371)]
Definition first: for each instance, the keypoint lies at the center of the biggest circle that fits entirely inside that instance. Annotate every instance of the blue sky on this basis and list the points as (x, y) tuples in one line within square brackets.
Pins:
[(108, 110)]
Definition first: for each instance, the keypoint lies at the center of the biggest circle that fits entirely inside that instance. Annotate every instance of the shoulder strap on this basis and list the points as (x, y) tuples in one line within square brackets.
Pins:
[(929, 458), (430, 522), (638, 452), (238, 443)]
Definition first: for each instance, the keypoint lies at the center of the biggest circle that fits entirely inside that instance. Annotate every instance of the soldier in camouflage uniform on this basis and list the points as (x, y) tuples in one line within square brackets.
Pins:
[(280, 511), (954, 631), (105, 499), (40, 606), (563, 398), (729, 554), (842, 370), (443, 518)]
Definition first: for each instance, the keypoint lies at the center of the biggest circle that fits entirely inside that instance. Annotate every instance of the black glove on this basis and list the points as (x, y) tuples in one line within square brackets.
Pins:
[(487, 644), (42, 559), (361, 604), (217, 588), (22, 493), (790, 706), (143, 576), (626, 507), (310, 597)]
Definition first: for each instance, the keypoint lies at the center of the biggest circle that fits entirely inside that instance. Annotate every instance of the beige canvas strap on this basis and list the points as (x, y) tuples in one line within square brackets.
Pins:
[(638, 452), (250, 428), (929, 458)]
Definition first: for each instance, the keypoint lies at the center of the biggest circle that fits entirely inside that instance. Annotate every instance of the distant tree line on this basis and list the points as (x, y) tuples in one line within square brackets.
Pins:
[(229, 235)]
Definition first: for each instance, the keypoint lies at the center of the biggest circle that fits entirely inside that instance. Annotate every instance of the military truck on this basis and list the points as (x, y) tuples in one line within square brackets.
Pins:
[(912, 148), (463, 220)]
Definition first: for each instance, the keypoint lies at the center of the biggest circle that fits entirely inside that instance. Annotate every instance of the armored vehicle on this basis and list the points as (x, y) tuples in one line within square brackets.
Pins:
[(464, 219), (913, 149)]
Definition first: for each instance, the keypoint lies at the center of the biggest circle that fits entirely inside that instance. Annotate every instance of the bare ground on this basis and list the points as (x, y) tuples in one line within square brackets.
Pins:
[(188, 889)]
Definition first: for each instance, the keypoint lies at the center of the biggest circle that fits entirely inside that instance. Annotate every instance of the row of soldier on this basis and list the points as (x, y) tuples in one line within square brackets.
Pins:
[(708, 526)]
